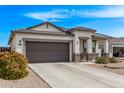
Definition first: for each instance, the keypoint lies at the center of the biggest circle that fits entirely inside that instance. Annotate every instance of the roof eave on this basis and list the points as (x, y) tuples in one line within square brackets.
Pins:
[(102, 35), (71, 30)]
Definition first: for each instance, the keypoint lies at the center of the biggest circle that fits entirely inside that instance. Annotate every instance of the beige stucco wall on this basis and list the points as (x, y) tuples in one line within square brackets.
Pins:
[(21, 36), (82, 33), (77, 43), (13, 44)]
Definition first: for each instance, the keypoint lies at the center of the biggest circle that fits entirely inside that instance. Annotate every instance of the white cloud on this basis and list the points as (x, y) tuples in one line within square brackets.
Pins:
[(60, 14), (108, 12), (54, 15)]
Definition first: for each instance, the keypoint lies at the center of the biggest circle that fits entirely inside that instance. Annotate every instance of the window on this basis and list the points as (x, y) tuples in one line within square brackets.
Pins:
[(94, 45)]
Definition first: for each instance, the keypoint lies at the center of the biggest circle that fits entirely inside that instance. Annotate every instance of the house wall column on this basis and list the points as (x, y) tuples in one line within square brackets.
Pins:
[(70, 51), (89, 49), (81, 46), (89, 45), (97, 47), (106, 46), (77, 49), (111, 51)]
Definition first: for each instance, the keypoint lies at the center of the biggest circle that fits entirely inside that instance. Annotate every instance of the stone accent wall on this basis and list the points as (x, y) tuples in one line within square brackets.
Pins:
[(76, 58), (105, 54), (88, 56), (84, 56), (92, 56)]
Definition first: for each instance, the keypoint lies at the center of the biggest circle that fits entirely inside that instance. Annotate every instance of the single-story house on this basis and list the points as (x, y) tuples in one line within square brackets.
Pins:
[(47, 42), (116, 47)]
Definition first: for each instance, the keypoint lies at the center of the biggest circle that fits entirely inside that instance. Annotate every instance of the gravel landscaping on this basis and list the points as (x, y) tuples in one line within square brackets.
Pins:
[(30, 81), (113, 67)]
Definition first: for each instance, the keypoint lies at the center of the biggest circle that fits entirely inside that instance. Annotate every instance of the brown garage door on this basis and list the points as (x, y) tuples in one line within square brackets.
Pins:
[(47, 52)]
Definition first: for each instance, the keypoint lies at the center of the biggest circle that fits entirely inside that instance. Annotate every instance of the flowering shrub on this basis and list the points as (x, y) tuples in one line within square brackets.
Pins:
[(13, 65)]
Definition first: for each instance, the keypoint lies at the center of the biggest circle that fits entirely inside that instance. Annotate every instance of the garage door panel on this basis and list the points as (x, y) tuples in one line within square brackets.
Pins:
[(47, 51)]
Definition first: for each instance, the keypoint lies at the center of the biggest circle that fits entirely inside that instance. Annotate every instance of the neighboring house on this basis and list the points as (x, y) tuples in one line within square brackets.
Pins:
[(116, 47), (5, 49), (49, 43)]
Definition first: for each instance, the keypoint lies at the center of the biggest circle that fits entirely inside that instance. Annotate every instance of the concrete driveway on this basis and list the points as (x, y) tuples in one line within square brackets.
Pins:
[(76, 75)]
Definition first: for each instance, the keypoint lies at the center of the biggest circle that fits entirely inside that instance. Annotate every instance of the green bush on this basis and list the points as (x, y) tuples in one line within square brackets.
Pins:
[(101, 60), (112, 60), (13, 65)]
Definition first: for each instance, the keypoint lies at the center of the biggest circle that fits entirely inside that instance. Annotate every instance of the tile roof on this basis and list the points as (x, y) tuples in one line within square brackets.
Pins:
[(37, 31), (28, 28), (116, 39), (63, 28), (82, 28), (100, 35)]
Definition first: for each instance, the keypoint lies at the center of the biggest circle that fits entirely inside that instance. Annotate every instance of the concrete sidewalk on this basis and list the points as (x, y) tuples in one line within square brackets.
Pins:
[(76, 75)]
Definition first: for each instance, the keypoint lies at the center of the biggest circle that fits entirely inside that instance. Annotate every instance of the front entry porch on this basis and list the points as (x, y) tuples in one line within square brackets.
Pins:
[(87, 49)]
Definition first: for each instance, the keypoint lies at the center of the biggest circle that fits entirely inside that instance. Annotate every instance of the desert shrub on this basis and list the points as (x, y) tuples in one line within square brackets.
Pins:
[(13, 65), (112, 60), (101, 60)]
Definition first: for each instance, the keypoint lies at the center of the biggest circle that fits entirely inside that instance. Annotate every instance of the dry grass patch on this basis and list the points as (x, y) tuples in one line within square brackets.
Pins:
[(30, 81), (113, 67)]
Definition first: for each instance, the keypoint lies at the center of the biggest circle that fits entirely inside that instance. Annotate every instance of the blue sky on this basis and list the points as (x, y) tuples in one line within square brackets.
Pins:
[(105, 19)]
